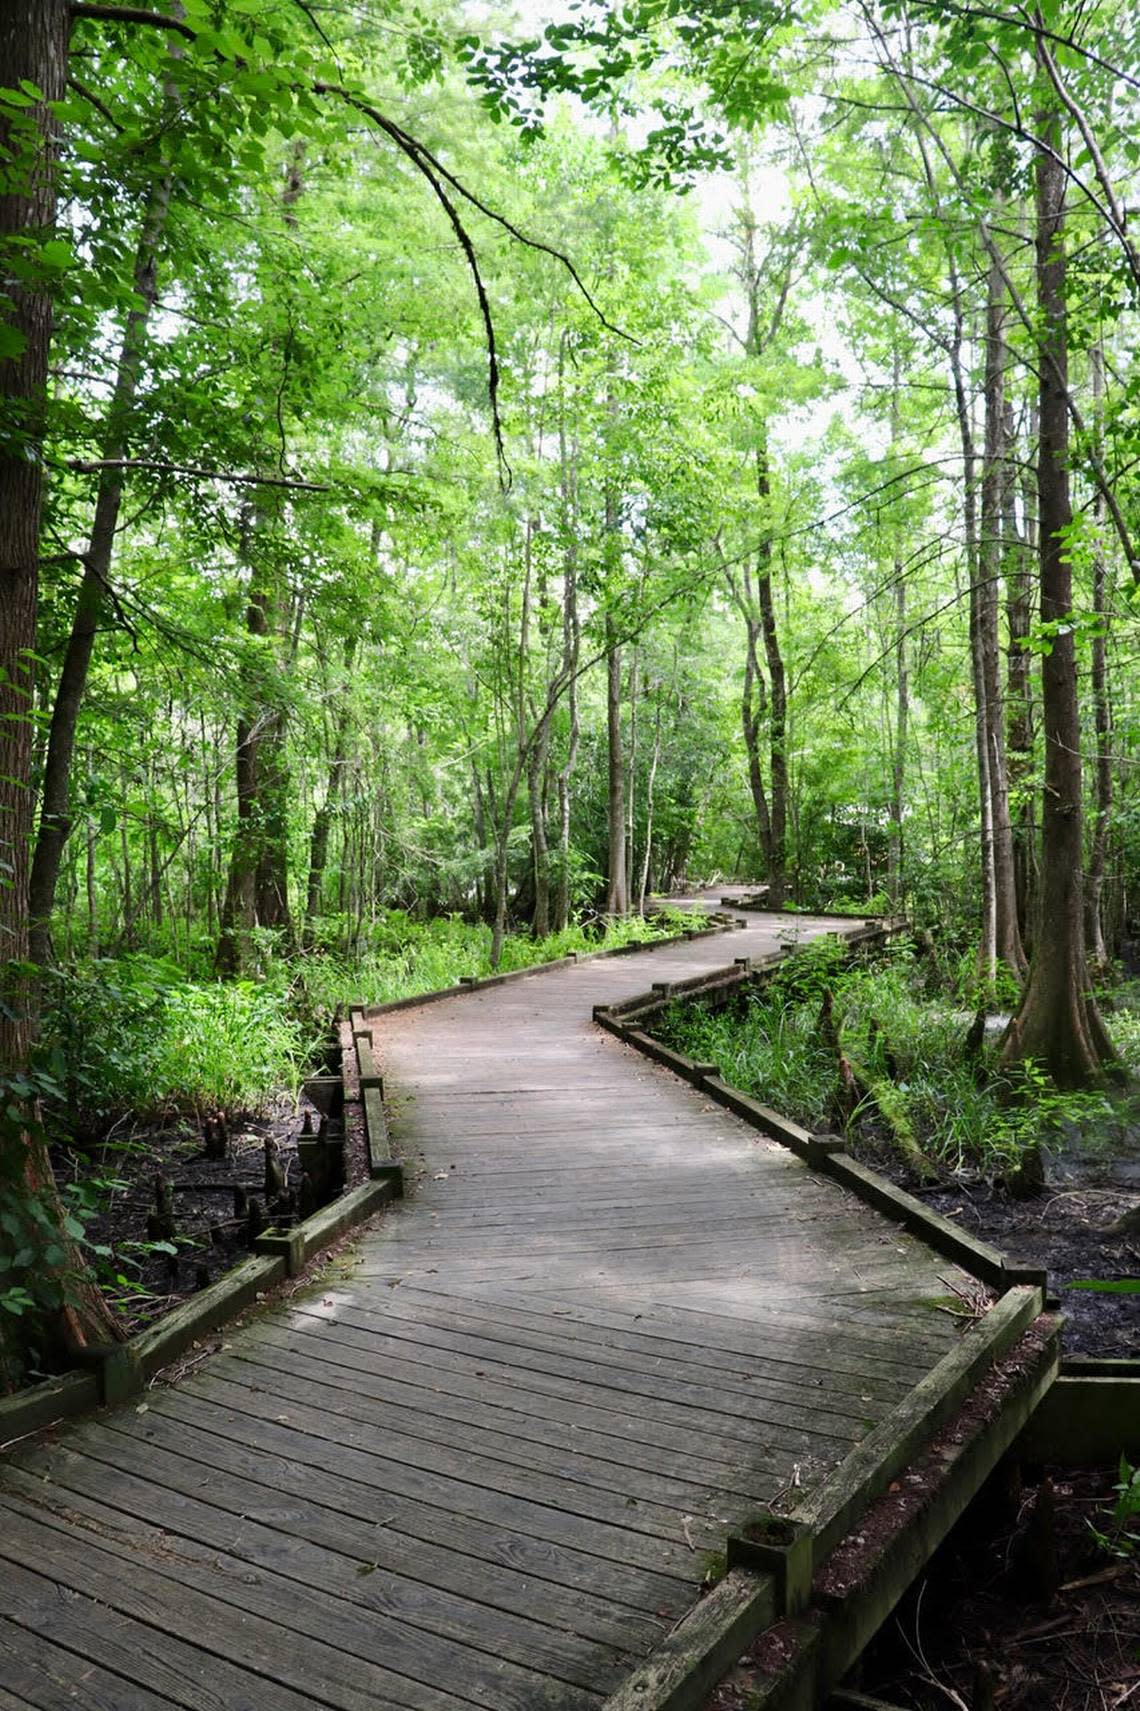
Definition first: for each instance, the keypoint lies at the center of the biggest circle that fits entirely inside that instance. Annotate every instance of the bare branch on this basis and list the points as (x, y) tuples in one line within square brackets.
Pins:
[(418, 152)]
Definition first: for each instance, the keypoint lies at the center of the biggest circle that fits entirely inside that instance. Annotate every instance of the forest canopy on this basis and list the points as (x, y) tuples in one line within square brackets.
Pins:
[(502, 465)]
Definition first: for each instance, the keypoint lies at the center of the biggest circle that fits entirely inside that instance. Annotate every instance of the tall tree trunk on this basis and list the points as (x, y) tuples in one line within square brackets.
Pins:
[(571, 651), (323, 816), (987, 947), (617, 897), (650, 785), (1008, 948), (55, 816), (69, 1313), (1058, 1024), (1019, 548), (777, 694), (631, 773), (753, 702), (540, 846), (1102, 709), (896, 846)]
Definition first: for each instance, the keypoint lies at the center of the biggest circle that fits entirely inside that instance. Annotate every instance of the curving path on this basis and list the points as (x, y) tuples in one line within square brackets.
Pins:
[(489, 1467)]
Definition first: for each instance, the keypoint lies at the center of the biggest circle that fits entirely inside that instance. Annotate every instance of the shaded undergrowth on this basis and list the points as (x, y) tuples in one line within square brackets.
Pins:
[(868, 1049)]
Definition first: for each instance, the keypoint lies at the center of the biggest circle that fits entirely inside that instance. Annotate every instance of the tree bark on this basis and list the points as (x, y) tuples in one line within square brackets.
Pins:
[(896, 846), (55, 816), (617, 896), (540, 845), (987, 945), (323, 816), (1058, 1024), (777, 698), (1102, 708), (69, 1313), (1019, 547), (1008, 949)]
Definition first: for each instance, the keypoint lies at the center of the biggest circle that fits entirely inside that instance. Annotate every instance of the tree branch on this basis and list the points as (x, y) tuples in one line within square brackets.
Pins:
[(418, 153), (92, 466), (131, 15)]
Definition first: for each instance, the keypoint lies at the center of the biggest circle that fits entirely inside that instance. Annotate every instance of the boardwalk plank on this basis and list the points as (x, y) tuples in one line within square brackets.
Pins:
[(45, 1674), (479, 1473), (373, 1617)]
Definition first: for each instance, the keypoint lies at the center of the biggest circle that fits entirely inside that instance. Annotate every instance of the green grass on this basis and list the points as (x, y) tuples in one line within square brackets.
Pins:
[(134, 1036), (404, 957), (965, 1114)]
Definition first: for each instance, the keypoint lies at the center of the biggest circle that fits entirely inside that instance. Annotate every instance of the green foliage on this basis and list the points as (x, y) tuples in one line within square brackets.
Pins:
[(1120, 1538), (134, 1036), (968, 1117), (401, 957)]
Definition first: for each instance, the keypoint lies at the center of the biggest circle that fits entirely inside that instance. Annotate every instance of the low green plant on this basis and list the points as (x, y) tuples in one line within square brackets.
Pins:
[(1121, 1538), (961, 1111)]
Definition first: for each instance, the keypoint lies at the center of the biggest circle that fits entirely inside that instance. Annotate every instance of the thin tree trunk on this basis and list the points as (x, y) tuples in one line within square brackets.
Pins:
[(617, 897), (1007, 937), (987, 947), (895, 853), (753, 697), (571, 650), (33, 52), (323, 817), (777, 695), (540, 847), (55, 816), (617, 893), (650, 785), (1102, 710), (1018, 551)]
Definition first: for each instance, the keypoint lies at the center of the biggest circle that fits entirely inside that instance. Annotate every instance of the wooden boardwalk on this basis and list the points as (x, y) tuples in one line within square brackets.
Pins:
[(490, 1466)]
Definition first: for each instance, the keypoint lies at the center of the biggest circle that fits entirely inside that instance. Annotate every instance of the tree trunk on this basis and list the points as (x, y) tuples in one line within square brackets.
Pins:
[(540, 847), (987, 947), (777, 697), (55, 817), (571, 645), (323, 817), (896, 846), (1008, 948), (1018, 551), (650, 785), (69, 1313), (1102, 711), (617, 896), (753, 696), (1058, 1024)]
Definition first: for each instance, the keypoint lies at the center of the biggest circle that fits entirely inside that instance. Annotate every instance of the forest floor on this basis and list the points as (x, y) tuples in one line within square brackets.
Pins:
[(1069, 1230), (154, 1271), (983, 1626)]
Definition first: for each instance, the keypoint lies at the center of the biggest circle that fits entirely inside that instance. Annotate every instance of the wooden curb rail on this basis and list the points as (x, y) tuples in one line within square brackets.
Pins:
[(826, 1153), (1014, 1351), (118, 1371)]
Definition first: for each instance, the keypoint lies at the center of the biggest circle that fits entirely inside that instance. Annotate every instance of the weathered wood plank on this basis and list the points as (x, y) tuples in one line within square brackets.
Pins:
[(490, 1545), (139, 1649), (170, 1488), (377, 1617), (242, 1619), (480, 1472), (47, 1676)]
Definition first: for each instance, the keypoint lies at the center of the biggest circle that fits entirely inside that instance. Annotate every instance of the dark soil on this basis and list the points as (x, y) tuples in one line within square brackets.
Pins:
[(980, 1627), (212, 1202), (1013, 1613), (1070, 1232)]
